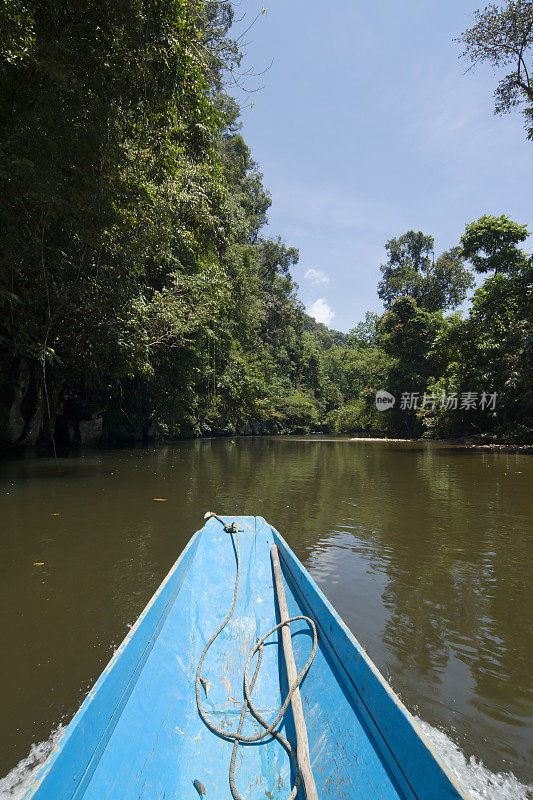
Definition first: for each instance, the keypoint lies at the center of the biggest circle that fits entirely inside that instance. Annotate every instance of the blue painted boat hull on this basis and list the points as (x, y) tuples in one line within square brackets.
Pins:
[(138, 734)]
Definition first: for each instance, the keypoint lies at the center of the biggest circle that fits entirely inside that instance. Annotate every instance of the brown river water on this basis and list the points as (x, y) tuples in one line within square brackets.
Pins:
[(425, 550)]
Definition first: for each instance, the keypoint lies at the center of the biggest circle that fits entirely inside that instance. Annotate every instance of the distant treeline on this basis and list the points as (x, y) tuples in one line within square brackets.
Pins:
[(137, 295), (450, 375)]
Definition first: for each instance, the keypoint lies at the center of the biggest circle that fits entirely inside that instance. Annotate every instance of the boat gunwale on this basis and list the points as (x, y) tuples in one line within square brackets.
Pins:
[(285, 550)]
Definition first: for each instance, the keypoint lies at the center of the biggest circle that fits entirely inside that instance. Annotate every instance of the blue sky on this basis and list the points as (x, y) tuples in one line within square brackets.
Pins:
[(367, 126)]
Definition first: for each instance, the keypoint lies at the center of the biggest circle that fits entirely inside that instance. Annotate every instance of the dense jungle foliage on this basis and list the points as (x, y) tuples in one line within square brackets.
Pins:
[(135, 285)]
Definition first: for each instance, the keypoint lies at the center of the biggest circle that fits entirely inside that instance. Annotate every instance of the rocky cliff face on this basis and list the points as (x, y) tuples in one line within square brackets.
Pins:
[(21, 401), (74, 420)]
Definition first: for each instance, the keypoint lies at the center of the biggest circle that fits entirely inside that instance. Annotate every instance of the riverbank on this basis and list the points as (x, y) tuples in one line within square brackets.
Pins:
[(499, 447), (76, 446)]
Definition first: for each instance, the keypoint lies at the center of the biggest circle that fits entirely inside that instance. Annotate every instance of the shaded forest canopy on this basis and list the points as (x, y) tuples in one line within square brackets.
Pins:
[(138, 296)]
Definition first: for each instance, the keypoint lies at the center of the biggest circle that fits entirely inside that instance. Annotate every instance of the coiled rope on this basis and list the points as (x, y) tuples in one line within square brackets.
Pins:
[(269, 728)]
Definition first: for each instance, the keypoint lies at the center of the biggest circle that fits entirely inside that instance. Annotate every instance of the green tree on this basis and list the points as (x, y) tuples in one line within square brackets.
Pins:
[(112, 200), (491, 350), (408, 334), (411, 271), (490, 354), (503, 37), (365, 333), (500, 328), (490, 243)]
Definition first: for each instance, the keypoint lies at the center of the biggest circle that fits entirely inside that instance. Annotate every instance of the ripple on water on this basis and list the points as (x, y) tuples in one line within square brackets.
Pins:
[(473, 775), (16, 783)]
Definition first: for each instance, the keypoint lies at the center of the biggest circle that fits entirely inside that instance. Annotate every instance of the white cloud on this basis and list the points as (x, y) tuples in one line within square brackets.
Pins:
[(316, 276), (321, 311)]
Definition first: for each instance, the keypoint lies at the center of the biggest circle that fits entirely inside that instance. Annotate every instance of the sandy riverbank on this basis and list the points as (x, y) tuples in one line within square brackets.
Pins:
[(463, 444)]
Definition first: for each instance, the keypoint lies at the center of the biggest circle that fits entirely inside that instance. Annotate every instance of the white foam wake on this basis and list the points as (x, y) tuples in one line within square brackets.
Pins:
[(473, 775), (17, 782), (480, 782)]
